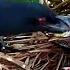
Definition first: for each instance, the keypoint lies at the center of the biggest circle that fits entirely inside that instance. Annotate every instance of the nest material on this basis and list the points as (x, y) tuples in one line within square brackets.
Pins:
[(38, 52)]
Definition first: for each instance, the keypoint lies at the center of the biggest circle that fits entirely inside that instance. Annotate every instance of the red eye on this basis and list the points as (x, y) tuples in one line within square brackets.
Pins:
[(42, 20)]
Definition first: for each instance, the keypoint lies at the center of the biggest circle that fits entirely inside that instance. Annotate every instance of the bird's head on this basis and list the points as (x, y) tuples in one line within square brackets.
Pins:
[(56, 27)]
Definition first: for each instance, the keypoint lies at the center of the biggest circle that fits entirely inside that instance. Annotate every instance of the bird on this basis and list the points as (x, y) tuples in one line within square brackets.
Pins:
[(16, 18), (22, 18)]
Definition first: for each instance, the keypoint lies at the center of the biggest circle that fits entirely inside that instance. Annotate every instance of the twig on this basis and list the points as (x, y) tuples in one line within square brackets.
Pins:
[(59, 63), (8, 58), (61, 4), (44, 65), (35, 59), (3, 66), (44, 50)]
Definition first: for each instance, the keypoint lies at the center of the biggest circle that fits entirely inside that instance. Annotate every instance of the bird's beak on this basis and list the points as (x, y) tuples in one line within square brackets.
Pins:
[(55, 28)]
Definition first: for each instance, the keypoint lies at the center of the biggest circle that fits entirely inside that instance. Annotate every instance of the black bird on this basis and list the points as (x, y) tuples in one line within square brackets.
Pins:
[(22, 18)]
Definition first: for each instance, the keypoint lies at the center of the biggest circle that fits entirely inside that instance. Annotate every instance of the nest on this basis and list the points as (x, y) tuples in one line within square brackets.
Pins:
[(35, 52)]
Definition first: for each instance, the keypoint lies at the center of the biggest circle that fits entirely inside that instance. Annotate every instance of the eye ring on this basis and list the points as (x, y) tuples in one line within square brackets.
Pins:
[(42, 20)]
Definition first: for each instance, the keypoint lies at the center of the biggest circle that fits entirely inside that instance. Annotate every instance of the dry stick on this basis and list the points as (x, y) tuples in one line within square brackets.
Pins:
[(21, 58), (65, 57), (27, 61), (38, 62), (17, 37), (61, 4), (36, 59), (16, 53), (44, 50), (59, 63), (48, 62), (33, 46), (44, 65), (18, 41), (38, 68), (43, 45), (10, 59), (54, 56), (25, 40), (3, 66), (24, 47)]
